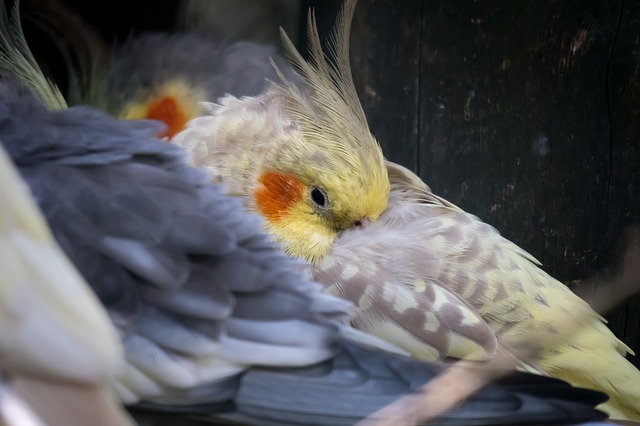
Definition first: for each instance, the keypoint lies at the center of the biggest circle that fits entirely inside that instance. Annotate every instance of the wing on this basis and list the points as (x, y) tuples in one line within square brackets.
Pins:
[(526, 308), (440, 283), (186, 276), (397, 297), (387, 271), (498, 279)]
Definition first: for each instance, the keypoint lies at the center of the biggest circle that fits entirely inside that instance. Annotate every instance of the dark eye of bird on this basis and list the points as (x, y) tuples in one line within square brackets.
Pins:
[(319, 197)]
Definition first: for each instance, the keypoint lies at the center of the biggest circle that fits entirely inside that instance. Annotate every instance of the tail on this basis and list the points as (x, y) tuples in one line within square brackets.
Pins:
[(595, 359)]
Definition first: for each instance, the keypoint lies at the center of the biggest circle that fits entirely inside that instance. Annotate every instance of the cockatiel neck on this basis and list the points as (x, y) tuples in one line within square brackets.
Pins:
[(309, 183)]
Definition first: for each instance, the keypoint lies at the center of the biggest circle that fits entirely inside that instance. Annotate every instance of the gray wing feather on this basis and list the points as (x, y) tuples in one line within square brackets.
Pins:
[(203, 296), (178, 334), (170, 257)]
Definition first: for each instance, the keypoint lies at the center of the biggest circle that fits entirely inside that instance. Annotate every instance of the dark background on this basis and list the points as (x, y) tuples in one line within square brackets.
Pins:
[(523, 113)]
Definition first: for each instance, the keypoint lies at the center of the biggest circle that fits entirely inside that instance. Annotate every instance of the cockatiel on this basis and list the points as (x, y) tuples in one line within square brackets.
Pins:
[(213, 317), (162, 75), (180, 84), (57, 344), (423, 274)]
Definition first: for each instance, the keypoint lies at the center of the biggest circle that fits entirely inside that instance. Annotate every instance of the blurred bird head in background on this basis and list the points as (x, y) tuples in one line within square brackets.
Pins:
[(304, 159), (163, 75), (166, 76)]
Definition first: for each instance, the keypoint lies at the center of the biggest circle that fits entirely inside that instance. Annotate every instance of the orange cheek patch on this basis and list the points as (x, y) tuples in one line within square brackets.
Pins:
[(167, 110), (276, 194)]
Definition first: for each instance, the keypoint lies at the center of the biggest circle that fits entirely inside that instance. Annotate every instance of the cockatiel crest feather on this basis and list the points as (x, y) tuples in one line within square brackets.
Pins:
[(320, 170)]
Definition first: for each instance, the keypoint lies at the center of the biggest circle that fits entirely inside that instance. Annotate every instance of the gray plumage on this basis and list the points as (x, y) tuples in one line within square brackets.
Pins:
[(152, 239), (213, 317)]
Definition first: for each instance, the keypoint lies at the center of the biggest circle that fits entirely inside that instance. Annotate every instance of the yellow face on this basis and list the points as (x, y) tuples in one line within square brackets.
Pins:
[(305, 214)]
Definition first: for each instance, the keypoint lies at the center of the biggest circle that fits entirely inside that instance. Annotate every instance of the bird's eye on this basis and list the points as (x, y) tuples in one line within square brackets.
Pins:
[(319, 197)]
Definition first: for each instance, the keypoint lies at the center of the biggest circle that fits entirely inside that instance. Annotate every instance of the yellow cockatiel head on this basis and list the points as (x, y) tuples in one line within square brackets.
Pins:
[(305, 160)]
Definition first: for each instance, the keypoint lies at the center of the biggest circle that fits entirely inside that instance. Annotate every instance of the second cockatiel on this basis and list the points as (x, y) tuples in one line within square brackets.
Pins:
[(170, 90), (163, 75), (424, 274)]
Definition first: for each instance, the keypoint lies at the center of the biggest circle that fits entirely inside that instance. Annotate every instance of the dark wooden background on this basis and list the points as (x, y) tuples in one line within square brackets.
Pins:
[(525, 113)]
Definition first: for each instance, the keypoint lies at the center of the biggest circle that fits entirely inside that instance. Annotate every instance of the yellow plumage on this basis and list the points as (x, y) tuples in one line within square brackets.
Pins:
[(424, 274)]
